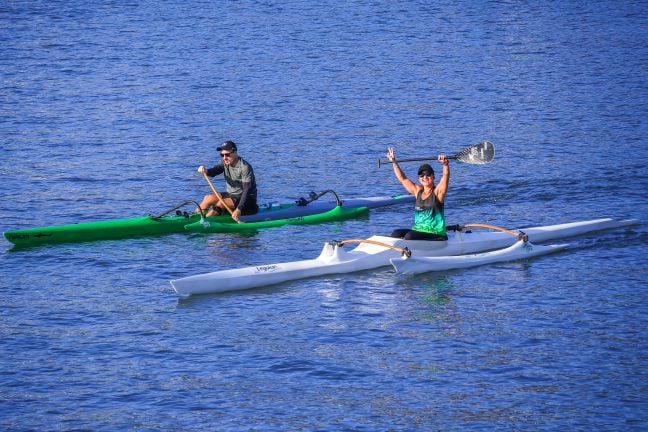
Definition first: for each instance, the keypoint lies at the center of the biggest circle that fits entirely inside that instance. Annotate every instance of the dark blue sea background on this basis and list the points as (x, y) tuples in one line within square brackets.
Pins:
[(107, 109)]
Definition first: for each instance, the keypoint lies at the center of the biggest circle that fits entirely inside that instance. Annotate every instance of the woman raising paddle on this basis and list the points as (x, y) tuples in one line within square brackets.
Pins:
[(429, 219)]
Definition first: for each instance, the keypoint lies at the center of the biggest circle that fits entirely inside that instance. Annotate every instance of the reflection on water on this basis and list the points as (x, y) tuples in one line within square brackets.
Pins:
[(436, 289)]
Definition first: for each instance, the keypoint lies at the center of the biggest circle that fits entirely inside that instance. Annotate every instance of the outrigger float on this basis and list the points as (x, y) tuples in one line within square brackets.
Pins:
[(464, 248), (300, 212)]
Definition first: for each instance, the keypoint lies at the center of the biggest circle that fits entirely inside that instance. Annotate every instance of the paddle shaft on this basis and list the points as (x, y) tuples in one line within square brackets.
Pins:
[(220, 198), (481, 153), (382, 162)]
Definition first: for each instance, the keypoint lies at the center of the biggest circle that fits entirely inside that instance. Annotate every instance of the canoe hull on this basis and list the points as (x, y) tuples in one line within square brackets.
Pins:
[(335, 260), (99, 230), (332, 259), (278, 214), (335, 214)]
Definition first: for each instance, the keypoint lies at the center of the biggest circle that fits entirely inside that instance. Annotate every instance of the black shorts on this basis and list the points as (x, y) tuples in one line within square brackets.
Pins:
[(250, 207), (410, 234)]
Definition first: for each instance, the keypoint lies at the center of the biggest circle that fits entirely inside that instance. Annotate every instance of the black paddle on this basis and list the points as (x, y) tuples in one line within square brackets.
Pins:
[(477, 154)]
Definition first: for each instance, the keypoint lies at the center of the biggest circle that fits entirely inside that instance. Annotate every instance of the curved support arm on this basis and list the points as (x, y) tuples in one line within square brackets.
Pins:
[(202, 214), (313, 197), (404, 251), (519, 234)]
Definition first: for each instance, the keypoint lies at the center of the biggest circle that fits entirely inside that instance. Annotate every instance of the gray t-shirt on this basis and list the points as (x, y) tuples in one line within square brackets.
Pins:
[(236, 176)]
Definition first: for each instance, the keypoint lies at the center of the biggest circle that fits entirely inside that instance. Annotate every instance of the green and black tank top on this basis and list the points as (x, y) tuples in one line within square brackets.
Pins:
[(428, 215)]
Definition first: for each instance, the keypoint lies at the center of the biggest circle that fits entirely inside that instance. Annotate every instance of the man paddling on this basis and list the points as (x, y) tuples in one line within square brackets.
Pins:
[(241, 195), (429, 218)]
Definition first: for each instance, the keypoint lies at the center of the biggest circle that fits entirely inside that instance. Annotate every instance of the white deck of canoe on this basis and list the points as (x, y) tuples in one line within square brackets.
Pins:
[(335, 259)]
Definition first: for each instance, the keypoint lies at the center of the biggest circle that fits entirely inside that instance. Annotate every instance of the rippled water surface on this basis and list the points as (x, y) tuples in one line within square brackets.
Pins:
[(107, 109)]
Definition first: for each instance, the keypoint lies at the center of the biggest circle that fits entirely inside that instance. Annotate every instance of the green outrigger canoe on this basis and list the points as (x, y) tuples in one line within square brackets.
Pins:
[(269, 216)]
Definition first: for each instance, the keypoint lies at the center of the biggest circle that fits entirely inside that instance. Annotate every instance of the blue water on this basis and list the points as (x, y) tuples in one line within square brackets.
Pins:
[(107, 108)]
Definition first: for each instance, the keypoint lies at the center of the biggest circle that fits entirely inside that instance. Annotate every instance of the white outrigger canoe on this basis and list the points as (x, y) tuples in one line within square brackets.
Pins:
[(377, 251)]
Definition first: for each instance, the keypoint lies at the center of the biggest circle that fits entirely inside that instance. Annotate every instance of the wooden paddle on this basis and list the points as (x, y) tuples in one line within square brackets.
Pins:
[(220, 198), (477, 154)]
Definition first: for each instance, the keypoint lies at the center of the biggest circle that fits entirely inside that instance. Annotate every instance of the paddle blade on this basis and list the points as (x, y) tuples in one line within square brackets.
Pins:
[(479, 154)]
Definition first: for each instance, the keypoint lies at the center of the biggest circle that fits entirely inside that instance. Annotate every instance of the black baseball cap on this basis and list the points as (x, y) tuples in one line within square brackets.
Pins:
[(425, 168), (227, 145)]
